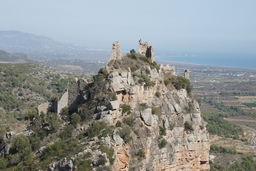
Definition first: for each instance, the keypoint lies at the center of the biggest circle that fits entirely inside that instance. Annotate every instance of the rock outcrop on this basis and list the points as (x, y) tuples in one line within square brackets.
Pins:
[(168, 125), (185, 149), (155, 124)]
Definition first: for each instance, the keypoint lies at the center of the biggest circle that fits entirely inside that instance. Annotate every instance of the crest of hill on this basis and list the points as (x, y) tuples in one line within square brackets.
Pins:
[(44, 47)]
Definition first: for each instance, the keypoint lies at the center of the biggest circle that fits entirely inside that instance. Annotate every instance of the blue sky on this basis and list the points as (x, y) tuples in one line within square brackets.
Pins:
[(178, 26)]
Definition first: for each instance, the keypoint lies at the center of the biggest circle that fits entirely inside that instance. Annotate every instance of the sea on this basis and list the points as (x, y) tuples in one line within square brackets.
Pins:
[(247, 61)]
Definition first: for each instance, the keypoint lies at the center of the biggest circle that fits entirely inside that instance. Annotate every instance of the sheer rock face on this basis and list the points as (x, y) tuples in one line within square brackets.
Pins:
[(186, 148)]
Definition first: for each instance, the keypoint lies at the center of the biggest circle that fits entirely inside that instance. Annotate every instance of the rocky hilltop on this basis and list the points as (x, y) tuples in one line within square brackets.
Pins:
[(134, 115), (167, 132)]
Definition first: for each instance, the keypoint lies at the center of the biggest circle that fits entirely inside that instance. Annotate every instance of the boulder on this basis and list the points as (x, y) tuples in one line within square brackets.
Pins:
[(114, 105), (116, 137), (146, 116)]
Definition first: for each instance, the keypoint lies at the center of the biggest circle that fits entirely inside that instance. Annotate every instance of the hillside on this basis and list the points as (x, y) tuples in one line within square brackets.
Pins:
[(6, 57), (24, 86), (133, 115)]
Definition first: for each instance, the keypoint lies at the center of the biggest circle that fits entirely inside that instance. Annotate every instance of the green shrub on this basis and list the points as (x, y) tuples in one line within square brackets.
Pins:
[(131, 55), (85, 165), (155, 110), (75, 119), (126, 109), (103, 71), (3, 163), (140, 154), (145, 59), (20, 151), (133, 68), (54, 122), (188, 126), (86, 113), (145, 79), (31, 114), (67, 132), (154, 64), (167, 81), (124, 133), (162, 143), (98, 128), (162, 130), (118, 123), (182, 83), (109, 152), (132, 51), (103, 168), (56, 149), (129, 121), (158, 94), (95, 128)]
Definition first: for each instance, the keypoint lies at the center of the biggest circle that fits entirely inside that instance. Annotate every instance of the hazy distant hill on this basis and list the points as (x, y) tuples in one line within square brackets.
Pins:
[(13, 58), (40, 46)]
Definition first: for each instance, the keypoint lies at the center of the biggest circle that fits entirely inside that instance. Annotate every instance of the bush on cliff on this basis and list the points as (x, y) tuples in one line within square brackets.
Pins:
[(141, 154), (126, 109), (188, 126), (182, 83), (162, 143), (124, 133), (98, 128)]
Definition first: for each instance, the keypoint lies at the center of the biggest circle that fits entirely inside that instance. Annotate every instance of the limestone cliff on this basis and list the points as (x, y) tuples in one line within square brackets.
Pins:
[(155, 123), (187, 148)]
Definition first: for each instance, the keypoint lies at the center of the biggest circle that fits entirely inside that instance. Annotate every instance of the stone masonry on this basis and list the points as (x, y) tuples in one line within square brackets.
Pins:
[(146, 50)]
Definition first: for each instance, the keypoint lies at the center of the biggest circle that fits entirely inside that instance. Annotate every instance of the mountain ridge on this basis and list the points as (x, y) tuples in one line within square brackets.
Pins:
[(44, 47)]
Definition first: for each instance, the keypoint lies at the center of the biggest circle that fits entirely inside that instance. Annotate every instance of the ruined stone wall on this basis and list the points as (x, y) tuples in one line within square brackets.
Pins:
[(43, 108), (167, 69), (75, 94), (146, 50)]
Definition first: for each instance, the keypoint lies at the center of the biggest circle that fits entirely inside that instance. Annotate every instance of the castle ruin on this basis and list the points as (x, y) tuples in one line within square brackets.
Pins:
[(116, 51), (146, 50), (167, 69)]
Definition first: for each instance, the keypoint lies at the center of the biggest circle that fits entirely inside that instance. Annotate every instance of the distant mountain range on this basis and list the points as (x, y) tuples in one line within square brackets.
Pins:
[(44, 47)]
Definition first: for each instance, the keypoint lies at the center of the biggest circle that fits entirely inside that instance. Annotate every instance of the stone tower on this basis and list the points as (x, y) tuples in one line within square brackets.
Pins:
[(146, 50), (186, 74), (116, 51)]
